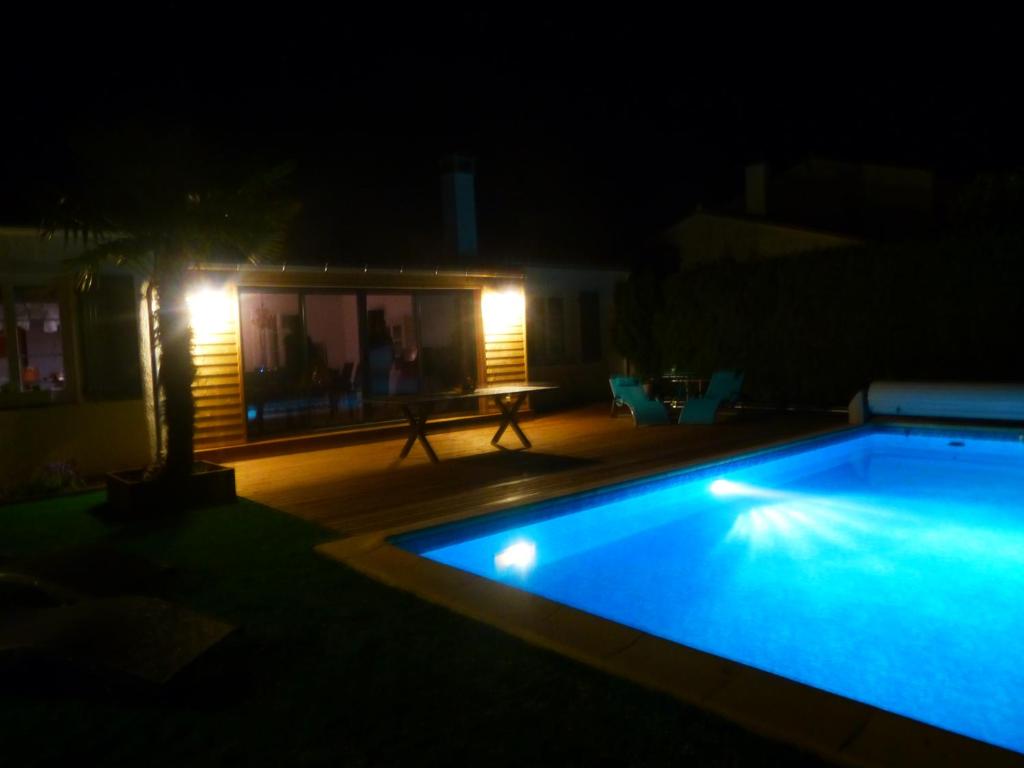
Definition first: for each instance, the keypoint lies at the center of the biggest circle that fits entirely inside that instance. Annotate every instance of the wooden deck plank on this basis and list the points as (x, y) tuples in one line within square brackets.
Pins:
[(360, 488)]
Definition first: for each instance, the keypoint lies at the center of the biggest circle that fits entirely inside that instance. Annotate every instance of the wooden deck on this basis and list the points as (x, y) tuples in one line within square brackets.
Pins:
[(362, 488)]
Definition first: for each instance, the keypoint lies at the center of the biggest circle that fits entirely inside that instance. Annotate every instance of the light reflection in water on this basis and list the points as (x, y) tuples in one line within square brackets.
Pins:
[(868, 528), (521, 555)]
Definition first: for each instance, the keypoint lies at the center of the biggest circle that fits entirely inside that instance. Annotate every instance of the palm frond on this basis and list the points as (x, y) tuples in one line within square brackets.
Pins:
[(117, 251), (151, 213), (142, 224)]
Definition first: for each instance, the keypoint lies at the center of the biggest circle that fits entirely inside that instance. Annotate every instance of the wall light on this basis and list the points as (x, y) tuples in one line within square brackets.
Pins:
[(502, 309), (211, 312)]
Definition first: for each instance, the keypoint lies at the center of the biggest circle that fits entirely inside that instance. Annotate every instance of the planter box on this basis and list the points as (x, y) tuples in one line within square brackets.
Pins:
[(129, 493)]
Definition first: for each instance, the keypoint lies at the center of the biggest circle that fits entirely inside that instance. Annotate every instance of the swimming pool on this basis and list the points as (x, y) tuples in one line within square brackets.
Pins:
[(883, 565)]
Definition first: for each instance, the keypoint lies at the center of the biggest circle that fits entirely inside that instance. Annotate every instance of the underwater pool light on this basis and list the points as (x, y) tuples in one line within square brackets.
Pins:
[(522, 555), (723, 487)]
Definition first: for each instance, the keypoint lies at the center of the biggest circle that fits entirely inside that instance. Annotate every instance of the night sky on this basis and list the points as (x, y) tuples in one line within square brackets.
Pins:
[(592, 132)]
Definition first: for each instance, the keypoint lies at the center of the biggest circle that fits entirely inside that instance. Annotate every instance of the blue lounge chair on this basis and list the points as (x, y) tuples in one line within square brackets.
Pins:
[(615, 382), (644, 411), (723, 389)]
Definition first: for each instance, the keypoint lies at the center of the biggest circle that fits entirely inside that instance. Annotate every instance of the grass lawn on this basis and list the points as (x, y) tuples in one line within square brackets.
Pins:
[(327, 667)]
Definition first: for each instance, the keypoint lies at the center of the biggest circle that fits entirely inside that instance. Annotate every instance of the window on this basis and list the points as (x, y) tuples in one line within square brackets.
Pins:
[(5, 368), (108, 319), (37, 340), (31, 345), (556, 330), (590, 326), (546, 330)]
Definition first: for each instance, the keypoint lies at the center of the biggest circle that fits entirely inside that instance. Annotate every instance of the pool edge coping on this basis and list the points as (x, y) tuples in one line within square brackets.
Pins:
[(773, 706)]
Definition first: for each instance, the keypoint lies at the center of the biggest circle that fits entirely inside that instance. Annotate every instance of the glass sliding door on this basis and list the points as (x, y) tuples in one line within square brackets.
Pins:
[(303, 361), (392, 342), (392, 350), (334, 364), (312, 357), (448, 343), (273, 357)]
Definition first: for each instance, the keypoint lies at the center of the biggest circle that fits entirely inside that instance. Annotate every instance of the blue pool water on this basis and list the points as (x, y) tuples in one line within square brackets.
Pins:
[(887, 567)]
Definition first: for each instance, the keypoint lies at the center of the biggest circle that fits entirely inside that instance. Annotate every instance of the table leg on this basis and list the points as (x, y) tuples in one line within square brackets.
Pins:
[(508, 419), (417, 431)]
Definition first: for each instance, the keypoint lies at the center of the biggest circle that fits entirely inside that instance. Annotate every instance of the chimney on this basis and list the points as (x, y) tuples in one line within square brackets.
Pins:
[(757, 189), (458, 197)]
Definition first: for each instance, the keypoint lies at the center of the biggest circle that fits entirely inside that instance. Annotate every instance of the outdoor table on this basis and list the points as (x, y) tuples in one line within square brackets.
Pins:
[(419, 408), (680, 383)]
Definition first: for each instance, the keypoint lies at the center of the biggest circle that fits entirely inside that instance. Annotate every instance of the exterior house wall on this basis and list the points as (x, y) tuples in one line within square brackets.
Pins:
[(38, 428), (220, 398), (704, 237), (97, 436), (579, 381)]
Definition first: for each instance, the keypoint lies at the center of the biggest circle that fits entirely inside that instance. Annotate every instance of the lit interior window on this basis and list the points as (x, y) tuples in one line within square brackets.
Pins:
[(5, 368), (40, 345)]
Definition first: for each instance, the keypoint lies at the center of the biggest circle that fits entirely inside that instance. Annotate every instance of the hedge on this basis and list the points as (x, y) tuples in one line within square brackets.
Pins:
[(813, 329)]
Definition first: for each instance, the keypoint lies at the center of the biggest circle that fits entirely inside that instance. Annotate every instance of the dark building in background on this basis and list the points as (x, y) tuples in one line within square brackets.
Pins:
[(814, 205)]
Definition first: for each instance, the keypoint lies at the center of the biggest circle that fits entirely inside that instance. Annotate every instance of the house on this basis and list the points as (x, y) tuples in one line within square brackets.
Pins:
[(569, 323), (280, 350), (817, 204), (71, 366)]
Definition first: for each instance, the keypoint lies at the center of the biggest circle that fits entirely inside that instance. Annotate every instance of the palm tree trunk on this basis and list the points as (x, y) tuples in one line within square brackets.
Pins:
[(176, 374)]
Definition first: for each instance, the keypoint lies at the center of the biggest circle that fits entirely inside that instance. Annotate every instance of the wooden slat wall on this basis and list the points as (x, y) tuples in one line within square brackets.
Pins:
[(220, 408), (505, 355)]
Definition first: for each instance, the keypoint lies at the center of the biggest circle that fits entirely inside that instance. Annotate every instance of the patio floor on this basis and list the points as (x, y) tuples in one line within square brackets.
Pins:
[(363, 487)]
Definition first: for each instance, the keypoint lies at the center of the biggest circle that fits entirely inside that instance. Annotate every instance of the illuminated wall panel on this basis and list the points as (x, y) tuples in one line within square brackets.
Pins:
[(220, 414)]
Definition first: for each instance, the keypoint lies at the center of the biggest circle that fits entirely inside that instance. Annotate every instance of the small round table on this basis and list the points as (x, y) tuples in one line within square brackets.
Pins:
[(679, 386)]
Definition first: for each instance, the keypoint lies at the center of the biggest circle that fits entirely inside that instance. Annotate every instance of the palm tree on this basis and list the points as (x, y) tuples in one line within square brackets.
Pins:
[(164, 224)]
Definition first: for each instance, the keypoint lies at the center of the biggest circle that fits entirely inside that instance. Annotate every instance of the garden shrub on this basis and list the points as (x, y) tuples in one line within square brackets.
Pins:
[(814, 328)]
